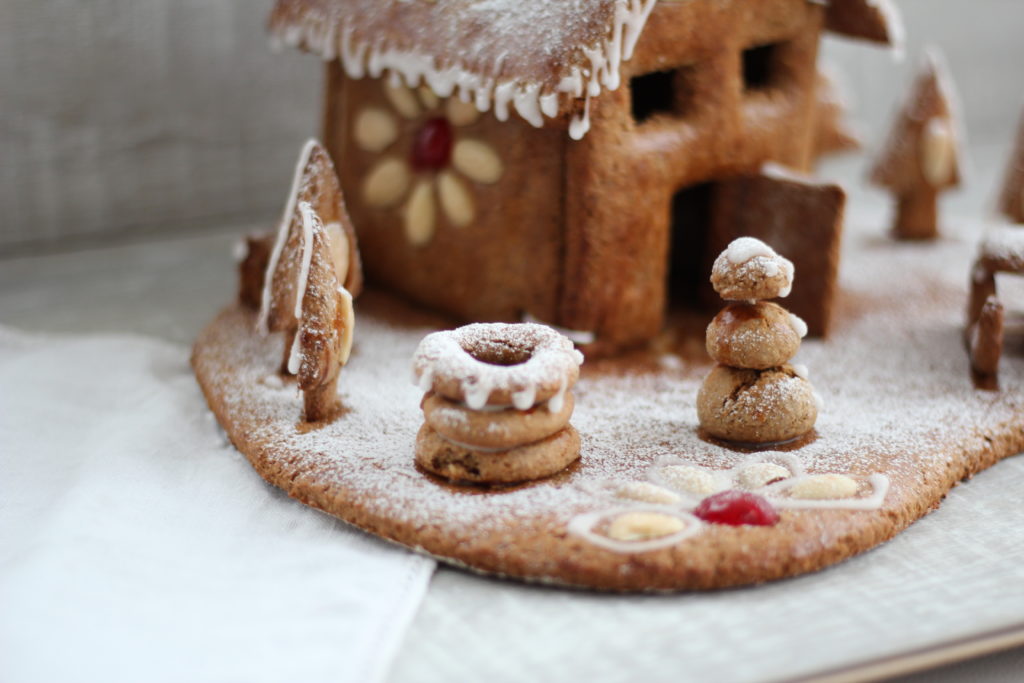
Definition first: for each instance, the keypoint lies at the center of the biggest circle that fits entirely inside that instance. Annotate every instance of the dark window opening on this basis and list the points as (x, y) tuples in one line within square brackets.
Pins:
[(652, 93), (759, 67), (691, 225)]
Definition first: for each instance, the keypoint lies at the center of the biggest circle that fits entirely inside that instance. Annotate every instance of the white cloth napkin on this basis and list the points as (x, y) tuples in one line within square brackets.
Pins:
[(137, 545)]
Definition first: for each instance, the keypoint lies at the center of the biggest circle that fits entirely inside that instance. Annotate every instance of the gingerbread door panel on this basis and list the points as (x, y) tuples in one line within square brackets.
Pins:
[(800, 219)]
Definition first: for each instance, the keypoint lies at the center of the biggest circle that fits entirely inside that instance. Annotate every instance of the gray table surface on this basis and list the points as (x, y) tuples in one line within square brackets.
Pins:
[(473, 628)]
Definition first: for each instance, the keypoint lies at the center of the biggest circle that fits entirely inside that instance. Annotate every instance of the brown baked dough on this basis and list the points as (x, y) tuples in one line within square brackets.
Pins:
[(461, 464), (494, 428), (756, 336), (756, 406)]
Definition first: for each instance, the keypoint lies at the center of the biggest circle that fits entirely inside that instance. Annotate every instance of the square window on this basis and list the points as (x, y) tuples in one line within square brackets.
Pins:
[(760, 67), (652, 94), (662, 92)]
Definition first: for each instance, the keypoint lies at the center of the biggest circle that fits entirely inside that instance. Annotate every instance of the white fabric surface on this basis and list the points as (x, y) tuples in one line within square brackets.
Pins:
[(136, 544)]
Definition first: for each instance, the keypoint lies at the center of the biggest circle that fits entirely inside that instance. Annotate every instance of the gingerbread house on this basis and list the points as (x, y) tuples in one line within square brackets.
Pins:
[(577, 162)]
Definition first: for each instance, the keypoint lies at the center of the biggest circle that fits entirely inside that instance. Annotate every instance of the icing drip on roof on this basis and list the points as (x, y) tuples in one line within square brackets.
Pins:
[(539, 58)]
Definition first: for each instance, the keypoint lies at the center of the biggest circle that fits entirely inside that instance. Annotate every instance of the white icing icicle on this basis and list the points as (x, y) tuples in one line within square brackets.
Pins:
[(282, 236), (334, 38)]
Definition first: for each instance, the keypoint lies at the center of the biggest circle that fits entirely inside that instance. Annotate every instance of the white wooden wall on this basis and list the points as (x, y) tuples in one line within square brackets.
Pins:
[(126, 117)]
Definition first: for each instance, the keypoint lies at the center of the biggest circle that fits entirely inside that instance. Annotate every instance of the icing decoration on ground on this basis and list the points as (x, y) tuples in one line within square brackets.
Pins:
[(414, 170), (753, 396), (922, 156), (497, 403), (751, 493)]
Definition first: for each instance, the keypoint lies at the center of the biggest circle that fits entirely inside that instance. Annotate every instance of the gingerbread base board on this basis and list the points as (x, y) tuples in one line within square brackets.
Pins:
[(898, 401)]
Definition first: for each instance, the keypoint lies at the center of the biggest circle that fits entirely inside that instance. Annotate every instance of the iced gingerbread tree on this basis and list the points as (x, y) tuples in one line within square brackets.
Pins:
[(754, 396), (921, 158)]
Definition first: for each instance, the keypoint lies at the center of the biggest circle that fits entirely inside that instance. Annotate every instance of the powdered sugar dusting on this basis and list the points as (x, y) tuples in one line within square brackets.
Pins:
[(895, 376)]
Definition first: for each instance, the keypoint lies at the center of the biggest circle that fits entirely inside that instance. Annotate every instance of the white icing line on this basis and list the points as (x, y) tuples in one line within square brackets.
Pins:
[(307, 256), (583, 527), (879, 488), (294, 357), (282, 236)]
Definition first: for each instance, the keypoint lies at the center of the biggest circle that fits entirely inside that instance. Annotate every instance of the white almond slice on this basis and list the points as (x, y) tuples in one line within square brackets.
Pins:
[(403, 100), (642, 526), (427, 97), (478, 161), (461, 113), (647, 493), (386, 183), (348, 324), (761, 474), (825, 487), (420, 214), (374, 130), (339, 250), (690, 479), (456, 200), (938, 152)]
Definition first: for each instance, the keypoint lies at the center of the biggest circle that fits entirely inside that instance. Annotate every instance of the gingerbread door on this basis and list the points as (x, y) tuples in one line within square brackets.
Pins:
[(800, 218)]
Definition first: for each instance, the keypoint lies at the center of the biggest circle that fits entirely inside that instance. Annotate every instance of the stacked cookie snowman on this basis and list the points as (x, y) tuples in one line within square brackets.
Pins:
[(754, 396)]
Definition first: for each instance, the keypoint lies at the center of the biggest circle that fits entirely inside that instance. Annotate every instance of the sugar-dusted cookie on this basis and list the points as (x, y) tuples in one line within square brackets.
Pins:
[(756, 406), (758, 336), (498, 364), (750, 270), (460, 464), (496, 428)]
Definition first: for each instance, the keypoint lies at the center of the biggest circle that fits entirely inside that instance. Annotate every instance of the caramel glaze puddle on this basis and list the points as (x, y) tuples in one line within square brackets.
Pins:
[(796, 443)]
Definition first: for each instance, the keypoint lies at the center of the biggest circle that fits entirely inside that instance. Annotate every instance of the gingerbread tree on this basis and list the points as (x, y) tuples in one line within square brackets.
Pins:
[(1011, 199), (315, 182), (305, 287), (314, 309), (921, 158)]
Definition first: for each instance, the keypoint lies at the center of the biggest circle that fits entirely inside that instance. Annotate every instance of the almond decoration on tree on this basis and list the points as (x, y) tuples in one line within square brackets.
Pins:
[(1011, 199), (921, 156), (312, 274)]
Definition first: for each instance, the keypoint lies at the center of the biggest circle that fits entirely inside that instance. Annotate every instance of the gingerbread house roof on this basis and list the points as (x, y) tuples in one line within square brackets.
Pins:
[(536, 57)]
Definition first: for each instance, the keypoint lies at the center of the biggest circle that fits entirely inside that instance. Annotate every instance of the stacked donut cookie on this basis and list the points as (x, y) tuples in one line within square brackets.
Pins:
[(753, 395), (497, 403)]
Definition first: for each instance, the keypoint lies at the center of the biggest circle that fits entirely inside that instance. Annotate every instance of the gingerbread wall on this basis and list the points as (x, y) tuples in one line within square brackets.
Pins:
[(732, 108), (494, 249)]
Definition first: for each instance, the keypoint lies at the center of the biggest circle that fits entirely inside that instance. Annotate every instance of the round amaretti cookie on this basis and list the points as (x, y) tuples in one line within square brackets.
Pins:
[(463, 464), (750, 270), (499, 428), (756, 406), (498, 364), (758, 336)]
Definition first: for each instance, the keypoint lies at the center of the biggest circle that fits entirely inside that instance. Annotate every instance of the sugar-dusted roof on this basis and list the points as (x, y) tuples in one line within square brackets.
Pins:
[(534, 56)]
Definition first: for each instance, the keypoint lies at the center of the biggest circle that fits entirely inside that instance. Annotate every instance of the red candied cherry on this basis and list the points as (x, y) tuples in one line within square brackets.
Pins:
[(432, 146), (736, 508)]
